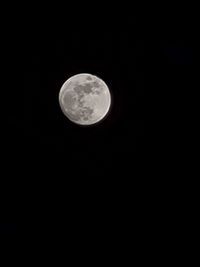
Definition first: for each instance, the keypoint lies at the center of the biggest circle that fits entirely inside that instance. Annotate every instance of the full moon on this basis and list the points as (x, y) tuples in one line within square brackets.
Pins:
[(85, 99)]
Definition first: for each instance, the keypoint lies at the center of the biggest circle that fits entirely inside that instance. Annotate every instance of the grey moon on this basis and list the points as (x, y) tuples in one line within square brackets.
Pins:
[(85, 99)]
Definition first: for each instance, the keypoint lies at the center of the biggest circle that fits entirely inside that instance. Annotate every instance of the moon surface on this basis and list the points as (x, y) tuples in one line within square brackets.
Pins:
[(85, 99)]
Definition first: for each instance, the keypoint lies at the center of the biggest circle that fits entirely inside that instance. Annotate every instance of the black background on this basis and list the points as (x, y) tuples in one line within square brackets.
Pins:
[(63, 174), (57, 166)]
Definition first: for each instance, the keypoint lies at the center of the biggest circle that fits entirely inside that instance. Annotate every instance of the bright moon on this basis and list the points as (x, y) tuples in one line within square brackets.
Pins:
[(85, 99)]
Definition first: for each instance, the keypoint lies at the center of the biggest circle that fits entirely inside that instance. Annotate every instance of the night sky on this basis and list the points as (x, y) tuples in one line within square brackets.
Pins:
[(63, 171)]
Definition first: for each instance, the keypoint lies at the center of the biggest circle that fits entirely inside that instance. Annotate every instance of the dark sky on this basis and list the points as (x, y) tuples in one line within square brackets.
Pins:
[(52, 157), (59, 166)]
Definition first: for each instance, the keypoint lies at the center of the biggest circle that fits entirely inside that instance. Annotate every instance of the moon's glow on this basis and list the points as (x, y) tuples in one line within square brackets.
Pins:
[(85, 99)]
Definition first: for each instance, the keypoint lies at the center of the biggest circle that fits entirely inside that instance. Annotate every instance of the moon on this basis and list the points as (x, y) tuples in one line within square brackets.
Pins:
[(85, 99)]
